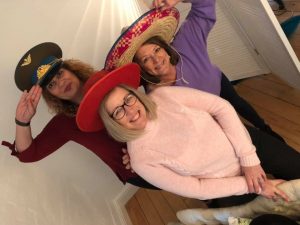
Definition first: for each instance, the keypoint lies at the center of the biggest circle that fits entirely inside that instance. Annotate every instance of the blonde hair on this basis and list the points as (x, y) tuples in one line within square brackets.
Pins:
[(117, 131), (56, 105)]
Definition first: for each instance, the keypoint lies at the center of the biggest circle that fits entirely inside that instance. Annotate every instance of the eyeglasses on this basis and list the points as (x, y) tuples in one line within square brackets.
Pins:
[(120, 112)]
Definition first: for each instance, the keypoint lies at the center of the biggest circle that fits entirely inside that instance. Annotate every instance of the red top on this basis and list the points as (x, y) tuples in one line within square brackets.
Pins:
[(62, 129)]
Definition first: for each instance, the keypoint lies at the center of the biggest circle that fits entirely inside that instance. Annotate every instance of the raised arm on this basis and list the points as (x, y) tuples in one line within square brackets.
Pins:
[(193, 33), (25, 111)]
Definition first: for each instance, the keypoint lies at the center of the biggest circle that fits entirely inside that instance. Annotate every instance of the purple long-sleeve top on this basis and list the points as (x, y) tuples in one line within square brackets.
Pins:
[(191, 43)]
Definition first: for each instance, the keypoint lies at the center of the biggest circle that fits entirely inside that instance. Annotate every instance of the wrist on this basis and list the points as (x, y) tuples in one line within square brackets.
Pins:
[(22, 124)]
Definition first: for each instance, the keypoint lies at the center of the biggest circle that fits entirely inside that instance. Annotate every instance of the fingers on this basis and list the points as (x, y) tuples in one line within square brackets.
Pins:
[(250, 184), (125, 159), (164, 4), (279, 194), (34, 95), (124, 150), (256, 185)]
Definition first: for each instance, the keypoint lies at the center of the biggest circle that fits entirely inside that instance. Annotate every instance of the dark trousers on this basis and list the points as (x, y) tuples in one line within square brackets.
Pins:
[(277, 158), (280, 3), (140, 182), (242, 107)]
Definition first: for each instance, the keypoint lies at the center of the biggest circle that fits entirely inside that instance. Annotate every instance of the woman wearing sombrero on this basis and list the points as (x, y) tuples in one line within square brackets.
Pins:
[(182, 61), (42, 71)]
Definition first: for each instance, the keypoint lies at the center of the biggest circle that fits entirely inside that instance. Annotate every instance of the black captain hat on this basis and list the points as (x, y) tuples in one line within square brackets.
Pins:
[(38, 65)]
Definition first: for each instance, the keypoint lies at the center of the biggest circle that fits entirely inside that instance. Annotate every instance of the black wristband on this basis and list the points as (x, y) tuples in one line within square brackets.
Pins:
[(22, 124)]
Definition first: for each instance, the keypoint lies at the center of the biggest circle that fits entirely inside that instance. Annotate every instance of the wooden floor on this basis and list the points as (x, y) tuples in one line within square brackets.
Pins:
[(275, 101)]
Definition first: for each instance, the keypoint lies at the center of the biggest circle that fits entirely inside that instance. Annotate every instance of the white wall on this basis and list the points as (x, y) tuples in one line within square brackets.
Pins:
[(72, 186)]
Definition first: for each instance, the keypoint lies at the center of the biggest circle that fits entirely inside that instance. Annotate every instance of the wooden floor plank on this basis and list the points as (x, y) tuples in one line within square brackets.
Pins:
[(148, 208), (175, 202), (162, 206), (275, 106), (194, 203), (135, 212), (280, 91)]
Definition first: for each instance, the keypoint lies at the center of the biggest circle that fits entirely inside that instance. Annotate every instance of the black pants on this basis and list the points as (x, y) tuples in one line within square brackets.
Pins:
[(140, 182), (280, 4), (242, 107), (277, 158)]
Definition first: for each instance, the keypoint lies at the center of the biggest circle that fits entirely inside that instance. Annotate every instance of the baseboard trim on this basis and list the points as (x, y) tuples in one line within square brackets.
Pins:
[(119, 211)]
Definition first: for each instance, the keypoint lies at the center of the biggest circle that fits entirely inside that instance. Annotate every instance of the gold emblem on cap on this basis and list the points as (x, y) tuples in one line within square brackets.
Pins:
[(27, 60), (42, 70)]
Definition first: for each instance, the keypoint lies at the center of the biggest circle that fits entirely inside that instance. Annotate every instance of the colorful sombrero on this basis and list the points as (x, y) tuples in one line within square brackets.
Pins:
[(36, 65), (156, 22), (87, 117)]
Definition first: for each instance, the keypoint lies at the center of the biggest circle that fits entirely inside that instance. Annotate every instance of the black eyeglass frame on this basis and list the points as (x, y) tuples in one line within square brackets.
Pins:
[(130, 93)]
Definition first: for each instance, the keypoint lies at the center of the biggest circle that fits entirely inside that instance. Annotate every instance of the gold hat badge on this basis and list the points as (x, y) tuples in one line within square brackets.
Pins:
[(27, 60)]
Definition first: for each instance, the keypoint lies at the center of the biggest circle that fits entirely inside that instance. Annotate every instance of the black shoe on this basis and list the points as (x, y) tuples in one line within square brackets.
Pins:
[(269, 131)]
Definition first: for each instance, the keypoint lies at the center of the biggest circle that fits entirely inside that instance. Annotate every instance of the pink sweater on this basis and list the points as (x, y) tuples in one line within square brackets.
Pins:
[(195, 148)]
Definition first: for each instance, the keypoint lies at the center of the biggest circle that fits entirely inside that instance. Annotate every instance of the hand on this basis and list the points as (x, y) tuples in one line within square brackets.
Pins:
[(255, 177), (27, 105), (164, 4), (270, 190), (126, 160)]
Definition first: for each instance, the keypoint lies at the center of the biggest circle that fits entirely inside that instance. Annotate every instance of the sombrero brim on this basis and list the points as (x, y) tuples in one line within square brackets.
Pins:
[(87, 117), (31, 60), (156, 22)]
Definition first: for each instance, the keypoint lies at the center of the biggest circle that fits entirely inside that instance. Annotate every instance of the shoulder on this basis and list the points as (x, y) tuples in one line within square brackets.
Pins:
[(165, 91), (170, 91)]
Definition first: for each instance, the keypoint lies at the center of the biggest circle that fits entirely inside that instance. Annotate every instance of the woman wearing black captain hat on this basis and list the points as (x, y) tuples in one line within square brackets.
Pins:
[(42, 71)]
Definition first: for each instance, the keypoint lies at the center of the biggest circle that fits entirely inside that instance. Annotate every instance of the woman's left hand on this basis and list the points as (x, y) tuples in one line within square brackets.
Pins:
[(255, 177)]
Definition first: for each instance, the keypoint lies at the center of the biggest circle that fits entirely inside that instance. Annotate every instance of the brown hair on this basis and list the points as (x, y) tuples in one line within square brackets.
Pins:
[(174, 58), (81, 70)]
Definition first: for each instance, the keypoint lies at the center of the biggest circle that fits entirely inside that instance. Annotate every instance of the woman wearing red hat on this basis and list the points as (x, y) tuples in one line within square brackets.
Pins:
[(61, 82), (186, 141), (182, 61)]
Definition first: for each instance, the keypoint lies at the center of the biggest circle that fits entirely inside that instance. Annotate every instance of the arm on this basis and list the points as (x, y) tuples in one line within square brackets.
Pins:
[(225, 115), (25, 111), (190, 186), (222, 112), (48, 141), (192, 35)]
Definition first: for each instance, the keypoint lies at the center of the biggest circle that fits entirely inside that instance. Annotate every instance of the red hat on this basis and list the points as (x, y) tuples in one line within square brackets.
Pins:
[(156, 22), (87, 117)]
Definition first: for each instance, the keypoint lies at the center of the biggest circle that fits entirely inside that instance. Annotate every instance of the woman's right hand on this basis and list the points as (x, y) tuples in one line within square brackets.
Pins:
[(126, 160), (165, 4), (271, 191), (27, 105)]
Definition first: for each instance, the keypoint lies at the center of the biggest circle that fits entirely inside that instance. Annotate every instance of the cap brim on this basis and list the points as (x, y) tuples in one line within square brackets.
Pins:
[(31, 60), (50, 73), (87, 117)]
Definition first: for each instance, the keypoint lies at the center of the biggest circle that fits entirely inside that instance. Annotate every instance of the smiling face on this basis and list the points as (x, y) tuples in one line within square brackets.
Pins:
[(135, 117), (65, 85), (154, 60)]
